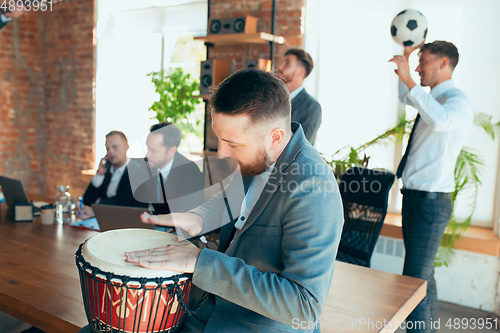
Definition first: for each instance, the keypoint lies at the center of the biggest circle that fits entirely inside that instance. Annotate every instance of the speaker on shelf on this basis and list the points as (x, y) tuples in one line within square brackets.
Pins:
[(211, 142), (233, 25), (212, 73), (263, 64)]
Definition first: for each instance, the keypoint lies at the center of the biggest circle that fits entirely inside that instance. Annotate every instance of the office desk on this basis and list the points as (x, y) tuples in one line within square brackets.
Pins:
[(39, 282), (365, 298)]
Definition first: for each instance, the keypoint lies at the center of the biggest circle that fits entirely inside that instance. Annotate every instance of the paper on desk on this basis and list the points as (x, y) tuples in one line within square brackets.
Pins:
[(89, 224), (39, 204)]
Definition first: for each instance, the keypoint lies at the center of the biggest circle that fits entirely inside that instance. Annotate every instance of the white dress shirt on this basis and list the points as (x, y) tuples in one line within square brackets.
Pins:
[(165, 171), (446, 115), (297, 91), (115, 179), (253, 194)]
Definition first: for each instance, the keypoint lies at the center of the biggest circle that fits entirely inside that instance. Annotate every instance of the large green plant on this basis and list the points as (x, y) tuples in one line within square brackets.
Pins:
[(467, 172), (176, 90)]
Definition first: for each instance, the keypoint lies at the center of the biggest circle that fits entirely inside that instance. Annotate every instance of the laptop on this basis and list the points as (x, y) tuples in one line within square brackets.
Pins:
[(119, 217), (13, 192)]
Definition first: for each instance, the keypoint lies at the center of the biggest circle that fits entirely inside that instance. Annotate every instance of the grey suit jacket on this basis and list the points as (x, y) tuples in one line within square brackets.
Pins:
[(307, 112), (276, 273)]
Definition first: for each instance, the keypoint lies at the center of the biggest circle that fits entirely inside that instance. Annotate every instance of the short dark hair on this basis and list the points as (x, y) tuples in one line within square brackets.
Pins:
[(117, 133), (171, 134), (260, 95), (304, 59), (441, 48)]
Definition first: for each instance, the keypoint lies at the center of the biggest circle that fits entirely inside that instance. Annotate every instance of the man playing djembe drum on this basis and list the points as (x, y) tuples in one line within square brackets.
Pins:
[(275, 260)]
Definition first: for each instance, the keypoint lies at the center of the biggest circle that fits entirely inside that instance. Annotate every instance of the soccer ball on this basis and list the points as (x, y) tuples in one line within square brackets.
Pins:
[(409, 28)]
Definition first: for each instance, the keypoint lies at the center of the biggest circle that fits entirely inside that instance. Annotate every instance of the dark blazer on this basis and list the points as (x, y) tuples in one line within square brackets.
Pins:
[(123, 197), (307, 112), (184, 180), (2, 22), (277, 271)]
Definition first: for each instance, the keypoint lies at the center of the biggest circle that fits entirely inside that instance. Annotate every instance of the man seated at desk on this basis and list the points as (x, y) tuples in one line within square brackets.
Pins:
[(110, 185), (171, 175)]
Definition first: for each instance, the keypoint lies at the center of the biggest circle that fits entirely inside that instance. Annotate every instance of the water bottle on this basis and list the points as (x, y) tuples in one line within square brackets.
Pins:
[(63, 204)]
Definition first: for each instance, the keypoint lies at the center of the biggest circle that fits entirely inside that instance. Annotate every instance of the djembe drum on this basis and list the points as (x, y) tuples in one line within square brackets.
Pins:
[(119, 296)]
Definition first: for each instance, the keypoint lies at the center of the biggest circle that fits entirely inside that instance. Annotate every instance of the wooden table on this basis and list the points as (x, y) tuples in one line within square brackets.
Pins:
[(367, 300), (39, 283)]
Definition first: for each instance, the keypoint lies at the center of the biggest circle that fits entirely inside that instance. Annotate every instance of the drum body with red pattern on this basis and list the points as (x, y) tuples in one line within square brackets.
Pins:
[(119, 296)]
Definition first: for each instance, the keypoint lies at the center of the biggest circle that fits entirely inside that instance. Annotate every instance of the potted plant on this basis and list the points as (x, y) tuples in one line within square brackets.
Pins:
[(177, 102), (467, 172)]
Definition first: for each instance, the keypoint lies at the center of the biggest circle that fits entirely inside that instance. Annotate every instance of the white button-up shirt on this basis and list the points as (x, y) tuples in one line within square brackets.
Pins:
[(253, 194), (116, 176), (446, 115)]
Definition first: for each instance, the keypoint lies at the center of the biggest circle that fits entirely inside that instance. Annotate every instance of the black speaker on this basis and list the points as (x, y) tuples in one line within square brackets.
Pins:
[(212, 73), (233, 25)]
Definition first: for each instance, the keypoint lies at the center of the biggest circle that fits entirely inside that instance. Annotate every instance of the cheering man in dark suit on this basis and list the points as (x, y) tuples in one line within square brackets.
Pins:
[(110, 185), (296, 66)]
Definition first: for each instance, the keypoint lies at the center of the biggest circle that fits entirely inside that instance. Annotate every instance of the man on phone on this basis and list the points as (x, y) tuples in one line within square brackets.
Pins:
[(111, 184)]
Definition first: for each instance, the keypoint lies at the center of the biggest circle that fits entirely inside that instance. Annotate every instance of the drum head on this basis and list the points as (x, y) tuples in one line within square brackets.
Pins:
[(106, 251)]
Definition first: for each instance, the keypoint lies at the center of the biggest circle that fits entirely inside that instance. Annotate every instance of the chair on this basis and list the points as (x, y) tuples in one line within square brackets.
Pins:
[(365, 195)]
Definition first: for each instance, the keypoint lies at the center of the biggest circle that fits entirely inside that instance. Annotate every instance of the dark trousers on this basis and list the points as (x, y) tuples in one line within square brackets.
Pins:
[(424, 222)]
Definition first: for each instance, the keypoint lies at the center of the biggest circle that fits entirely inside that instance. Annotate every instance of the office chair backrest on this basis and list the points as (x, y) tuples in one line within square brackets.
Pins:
[(365, 195)]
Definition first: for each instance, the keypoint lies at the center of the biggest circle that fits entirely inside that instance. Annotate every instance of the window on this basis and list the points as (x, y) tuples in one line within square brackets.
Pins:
[(351, 44), (135, 38)]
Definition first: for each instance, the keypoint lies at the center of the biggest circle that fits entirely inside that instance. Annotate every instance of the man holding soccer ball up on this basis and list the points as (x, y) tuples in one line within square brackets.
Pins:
[(427, 167)]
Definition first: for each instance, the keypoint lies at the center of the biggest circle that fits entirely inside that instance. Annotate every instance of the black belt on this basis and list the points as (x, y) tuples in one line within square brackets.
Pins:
[(416, 194)]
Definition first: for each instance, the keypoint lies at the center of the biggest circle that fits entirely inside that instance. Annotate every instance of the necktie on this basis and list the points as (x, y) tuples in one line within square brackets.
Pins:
[(247, 180), (402, 164), (163, 199), (105, 184)]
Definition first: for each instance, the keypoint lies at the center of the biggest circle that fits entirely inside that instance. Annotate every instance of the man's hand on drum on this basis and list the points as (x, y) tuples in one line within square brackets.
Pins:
[(191, 223), (177, 258)]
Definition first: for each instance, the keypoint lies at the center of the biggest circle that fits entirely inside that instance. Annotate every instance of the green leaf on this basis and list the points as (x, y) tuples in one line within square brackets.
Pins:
[(483, 120), (176, 103), (467, 173)]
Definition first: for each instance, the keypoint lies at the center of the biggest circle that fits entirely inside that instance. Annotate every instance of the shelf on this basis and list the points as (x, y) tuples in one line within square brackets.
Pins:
[(240, 39), (203, 96), (474, 239)]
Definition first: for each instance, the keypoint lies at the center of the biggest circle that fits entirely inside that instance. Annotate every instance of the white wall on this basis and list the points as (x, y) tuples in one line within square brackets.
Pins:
[(350, 43), (471, 279)]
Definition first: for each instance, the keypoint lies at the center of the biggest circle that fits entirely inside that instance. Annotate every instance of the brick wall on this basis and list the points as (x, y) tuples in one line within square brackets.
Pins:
[(290, 16), (46, 97)]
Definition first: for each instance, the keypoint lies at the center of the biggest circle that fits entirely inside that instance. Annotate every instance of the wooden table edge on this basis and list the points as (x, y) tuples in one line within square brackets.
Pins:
[(406, 309), (33, 316)]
